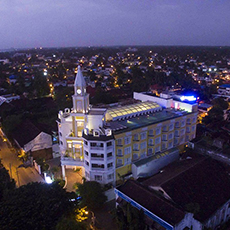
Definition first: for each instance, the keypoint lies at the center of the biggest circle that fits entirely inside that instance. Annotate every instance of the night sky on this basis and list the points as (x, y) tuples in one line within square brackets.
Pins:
[(56, 23)]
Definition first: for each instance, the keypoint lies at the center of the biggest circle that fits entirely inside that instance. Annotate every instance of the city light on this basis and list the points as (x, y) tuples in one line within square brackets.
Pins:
[(188, 98), (48, 179)]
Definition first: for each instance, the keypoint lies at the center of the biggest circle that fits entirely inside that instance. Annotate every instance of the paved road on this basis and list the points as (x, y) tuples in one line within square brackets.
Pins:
[(11, 162), (72, 178)]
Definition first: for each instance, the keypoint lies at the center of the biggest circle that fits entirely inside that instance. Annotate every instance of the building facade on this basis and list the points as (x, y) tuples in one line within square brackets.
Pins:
[(187, 208), (106, 142)]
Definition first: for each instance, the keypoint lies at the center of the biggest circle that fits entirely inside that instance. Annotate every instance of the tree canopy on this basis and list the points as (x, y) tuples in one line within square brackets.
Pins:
[(6, 183), (35, 206), (220, 102), (92, 194), (216, 114)]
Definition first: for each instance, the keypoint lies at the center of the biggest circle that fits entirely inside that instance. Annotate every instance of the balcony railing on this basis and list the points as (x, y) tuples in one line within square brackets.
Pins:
[(97, 158), (98, 168), (72, 161), (96, 148)]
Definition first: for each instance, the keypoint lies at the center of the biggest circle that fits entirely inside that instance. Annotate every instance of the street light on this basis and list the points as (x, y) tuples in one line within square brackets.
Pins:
[(93, 218)]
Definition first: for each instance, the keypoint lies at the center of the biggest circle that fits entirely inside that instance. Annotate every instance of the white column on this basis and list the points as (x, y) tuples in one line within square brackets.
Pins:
[(63, 171)]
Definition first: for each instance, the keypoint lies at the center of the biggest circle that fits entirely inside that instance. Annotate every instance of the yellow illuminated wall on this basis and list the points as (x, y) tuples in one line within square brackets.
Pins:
[(182, 125)]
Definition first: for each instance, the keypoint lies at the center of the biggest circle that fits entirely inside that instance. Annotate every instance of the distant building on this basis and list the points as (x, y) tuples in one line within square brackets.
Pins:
[(34, 141), (108, 143), (224, 89), (8, 98), (203, 110), (4, 61), (192, 193), (13, 79)]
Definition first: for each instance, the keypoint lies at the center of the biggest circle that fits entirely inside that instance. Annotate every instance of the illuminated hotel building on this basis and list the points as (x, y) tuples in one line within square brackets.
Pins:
[(132, 140)]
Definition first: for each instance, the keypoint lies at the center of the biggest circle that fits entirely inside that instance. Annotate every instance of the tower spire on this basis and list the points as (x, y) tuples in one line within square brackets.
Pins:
[(80, 97), (79, 83)]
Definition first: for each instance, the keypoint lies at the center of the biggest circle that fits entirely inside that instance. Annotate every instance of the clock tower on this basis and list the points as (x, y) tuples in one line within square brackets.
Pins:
[(80, 97)]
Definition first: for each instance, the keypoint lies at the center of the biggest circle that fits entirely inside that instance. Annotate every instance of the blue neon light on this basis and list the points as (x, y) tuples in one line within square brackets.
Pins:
[(188, 98)]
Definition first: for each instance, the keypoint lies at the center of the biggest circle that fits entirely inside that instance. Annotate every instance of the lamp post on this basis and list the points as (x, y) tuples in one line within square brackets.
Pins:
[(93, 219)]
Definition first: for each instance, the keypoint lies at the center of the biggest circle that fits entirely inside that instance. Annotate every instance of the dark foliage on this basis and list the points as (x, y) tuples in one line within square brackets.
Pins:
[(34, 206), (92, 195), (6, 183)]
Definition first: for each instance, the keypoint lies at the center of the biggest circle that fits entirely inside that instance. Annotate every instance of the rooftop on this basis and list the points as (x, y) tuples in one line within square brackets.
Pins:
[(149, 159), (145, 120), (204, 105), (225, 86), (153, 202), (97, 111), (29, 131), (132, 110), (197, 180)]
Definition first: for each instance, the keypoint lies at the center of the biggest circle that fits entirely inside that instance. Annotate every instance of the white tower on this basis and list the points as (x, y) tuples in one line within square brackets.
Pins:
[(80, 97)]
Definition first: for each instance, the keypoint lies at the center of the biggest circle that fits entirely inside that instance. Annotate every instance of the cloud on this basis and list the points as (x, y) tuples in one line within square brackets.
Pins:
[(29, 23)]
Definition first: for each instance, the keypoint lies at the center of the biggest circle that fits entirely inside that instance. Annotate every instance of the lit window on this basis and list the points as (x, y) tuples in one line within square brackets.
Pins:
[(119, 152), (109, 143), (157, 149), (187, 129), (157, 140), (119, 162), (170, 144), (151, 142), (119, 141), (176, 133), (150, 151), (127, 150), (171, 126), (151, 132), (135, 137), (170, 136), (143, 145), (98, 178), (110, 176), (143, 155), (110, 165), (143, 135), (127, 140), (163, 146), (158, 131), (135, 147), (182, 132), (175, 141), (127, 161), (109, 154), (80, 123), (164, 137), (79, 133), (165, 128)]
